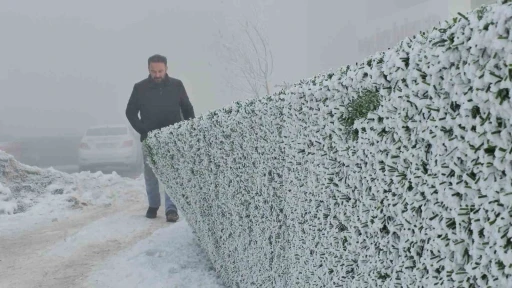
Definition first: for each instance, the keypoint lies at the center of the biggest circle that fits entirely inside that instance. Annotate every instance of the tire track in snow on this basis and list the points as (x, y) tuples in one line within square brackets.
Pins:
[(33, 259)]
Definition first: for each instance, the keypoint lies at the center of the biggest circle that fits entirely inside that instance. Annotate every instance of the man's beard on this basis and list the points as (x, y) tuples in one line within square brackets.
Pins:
[(158, 79)]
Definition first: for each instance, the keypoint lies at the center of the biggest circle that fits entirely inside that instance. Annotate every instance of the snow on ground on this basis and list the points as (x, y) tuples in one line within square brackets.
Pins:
[(168, 258), (89, 230), (7, 205), (117, 226), (39, 196)]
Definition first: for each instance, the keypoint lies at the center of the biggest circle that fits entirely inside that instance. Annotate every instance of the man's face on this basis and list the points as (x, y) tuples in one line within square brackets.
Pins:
[(157, 71)]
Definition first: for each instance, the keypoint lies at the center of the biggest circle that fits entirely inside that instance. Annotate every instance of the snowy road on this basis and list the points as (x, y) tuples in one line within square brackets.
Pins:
[(90, 230), (105, 248)]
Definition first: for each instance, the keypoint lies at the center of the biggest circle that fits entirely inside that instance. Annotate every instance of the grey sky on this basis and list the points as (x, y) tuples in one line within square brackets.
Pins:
[(66, 65)]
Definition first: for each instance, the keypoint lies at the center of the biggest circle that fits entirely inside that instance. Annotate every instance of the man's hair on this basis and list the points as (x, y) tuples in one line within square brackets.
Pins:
[(157, 59)]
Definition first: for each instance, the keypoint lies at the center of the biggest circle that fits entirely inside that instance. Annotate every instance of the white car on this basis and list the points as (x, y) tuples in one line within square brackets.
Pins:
[(110, 146)]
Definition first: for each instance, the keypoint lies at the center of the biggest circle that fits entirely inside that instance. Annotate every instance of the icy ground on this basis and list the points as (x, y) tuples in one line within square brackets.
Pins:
[(89, 230)]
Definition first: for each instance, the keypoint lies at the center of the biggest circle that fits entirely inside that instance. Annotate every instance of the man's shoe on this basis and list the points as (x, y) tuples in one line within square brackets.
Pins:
[(151, 214), (172, 216)]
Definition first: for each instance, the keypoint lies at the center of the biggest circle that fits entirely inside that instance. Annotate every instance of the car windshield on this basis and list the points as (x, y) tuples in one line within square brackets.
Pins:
[(107, 131)]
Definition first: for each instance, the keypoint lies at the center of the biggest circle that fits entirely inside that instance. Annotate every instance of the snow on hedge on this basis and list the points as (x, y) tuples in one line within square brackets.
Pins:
[(395, 171)]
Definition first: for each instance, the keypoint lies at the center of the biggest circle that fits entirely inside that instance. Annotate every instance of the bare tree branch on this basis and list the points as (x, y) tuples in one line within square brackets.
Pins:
[(248, 59)]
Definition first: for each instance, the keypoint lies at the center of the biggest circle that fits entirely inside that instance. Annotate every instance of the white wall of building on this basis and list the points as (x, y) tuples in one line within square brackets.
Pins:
[(348, 33), (385, 30)]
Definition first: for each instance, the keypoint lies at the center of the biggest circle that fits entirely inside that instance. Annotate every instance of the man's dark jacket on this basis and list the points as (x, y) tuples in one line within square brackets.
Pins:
[(160, 105)]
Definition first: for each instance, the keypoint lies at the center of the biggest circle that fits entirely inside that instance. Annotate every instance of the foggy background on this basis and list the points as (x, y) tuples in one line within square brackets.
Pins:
[(67, 65)]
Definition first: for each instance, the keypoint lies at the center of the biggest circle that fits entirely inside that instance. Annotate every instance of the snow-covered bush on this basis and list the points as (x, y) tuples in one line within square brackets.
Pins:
[(395, 171)]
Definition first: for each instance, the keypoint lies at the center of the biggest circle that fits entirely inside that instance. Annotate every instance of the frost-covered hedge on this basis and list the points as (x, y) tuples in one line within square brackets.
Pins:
[(392, 172)]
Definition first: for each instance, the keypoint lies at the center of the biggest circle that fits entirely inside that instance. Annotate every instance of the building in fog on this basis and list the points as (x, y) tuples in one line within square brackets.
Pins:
[(388, 25), (341, 34)]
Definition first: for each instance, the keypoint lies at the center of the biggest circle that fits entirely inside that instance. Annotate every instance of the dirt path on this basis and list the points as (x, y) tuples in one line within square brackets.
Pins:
[(53, 256)]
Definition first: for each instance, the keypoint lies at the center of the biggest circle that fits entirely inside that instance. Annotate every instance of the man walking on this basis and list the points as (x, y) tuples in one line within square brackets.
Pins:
[(161, 101)]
